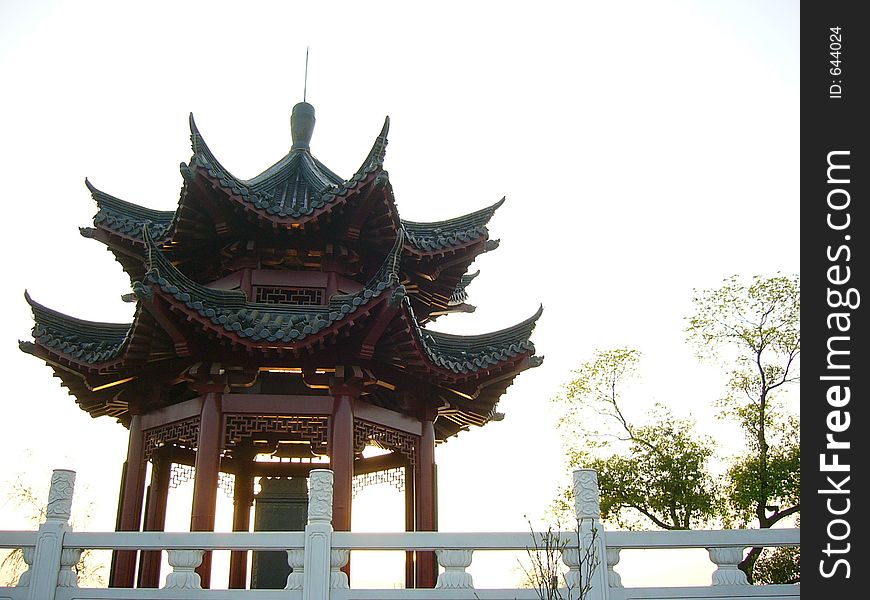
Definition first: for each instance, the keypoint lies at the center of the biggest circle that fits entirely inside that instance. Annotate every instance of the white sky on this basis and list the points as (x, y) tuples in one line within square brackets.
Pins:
[(645, 149)]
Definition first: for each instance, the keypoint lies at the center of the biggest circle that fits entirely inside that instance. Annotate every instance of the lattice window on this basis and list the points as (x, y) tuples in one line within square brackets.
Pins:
[(295, 296), (181, 433), (313, 430), (227, 484), (179, 474), (365, 433), (394, 477)]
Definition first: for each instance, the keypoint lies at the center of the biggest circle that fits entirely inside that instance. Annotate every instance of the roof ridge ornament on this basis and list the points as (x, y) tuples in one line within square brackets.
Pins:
[(302, 126)]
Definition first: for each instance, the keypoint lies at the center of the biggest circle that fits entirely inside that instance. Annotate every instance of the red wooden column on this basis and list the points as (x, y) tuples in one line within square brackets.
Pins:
[(409, 524), (346, 385), (341, 459), (130, 509), (243, 498), (424, 490), (155, 519), (205, 483)]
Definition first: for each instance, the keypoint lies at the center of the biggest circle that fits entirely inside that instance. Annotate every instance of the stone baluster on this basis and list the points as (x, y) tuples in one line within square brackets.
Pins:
[(613, 577), (316, 578), (454, 576), (24, 579), (587, 510), (574, 577), (44, 574), (338, 578), (296, 560), (726, 560), (68, 577), (184, 575)]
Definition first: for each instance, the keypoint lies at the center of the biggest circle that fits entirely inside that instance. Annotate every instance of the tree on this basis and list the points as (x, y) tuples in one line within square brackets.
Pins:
[(754, 331), (656, 472), (659, 472), (89, 569)]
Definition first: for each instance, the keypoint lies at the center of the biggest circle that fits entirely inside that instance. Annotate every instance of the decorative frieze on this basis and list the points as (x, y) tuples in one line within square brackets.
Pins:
[(183, 433), (365, 433), (303, 428), (180, 474), (394, 477)]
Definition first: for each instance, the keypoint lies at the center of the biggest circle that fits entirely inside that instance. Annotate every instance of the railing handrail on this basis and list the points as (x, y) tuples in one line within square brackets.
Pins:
[(702, 538), (273, 540), (317, 555), (17, 539), (199, 540)]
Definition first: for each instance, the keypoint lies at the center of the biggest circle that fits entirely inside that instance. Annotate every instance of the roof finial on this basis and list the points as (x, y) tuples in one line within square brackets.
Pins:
[(305, 86), (302, 117)]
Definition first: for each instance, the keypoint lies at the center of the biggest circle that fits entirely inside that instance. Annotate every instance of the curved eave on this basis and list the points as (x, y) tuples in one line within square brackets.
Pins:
[(274, 327), (438, 237), (463, 360), (126, 220), (92, 346), (267, 194), (96, 395)]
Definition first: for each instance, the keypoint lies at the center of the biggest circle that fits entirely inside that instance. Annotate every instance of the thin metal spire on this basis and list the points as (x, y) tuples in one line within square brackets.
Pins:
[(305, 87)]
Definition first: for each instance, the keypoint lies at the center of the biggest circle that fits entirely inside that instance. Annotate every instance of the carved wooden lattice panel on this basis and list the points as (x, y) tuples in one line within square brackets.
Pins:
[(181, 433), (394, 477), (311, 429), (179, 474), (227, 484), (292, 296), (365, 433)]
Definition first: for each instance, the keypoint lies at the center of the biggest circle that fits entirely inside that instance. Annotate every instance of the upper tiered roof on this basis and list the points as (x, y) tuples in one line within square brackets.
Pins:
[(354, 282)]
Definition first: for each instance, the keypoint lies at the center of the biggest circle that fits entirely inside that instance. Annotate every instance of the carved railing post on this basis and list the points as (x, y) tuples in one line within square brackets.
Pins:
[(454, 576), (44, 569), (726, 560), (318, 537), (184, 564), (587, 510), (296, 560)]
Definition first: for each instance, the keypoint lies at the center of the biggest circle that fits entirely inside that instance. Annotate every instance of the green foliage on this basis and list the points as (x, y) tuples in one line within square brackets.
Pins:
[(659, 471), (90, 569), (779, 565)]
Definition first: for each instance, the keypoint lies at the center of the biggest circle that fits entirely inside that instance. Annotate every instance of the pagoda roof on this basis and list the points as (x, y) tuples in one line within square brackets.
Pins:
[(440, 235), (295, 187), (394, 276), (86, 355), (86, 342)]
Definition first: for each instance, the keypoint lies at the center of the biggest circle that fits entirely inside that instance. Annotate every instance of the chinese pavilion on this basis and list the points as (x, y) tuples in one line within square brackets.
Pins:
[(279, 327)]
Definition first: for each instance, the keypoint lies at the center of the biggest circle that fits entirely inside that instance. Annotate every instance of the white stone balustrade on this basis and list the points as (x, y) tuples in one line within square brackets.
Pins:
[(184, 575), (454, 576), (590, 554), (726, 560)]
